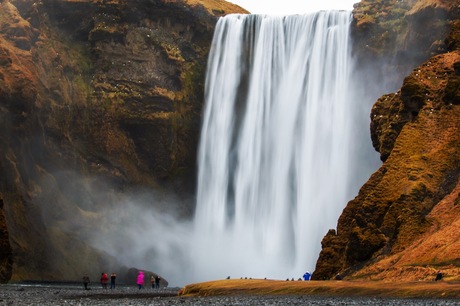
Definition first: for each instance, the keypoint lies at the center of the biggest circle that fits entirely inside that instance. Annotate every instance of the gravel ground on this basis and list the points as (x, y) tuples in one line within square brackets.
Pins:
[(72, 295)]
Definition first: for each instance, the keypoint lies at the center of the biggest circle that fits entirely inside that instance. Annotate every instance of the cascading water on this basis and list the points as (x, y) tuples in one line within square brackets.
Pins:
[(274, 155)]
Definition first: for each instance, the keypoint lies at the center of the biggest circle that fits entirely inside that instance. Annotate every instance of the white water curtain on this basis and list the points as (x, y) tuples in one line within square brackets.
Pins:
[(274, 152)]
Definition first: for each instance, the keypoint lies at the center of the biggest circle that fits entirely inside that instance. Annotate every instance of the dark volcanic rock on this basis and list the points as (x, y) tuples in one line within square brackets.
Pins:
[(94, 96), (399, 225), (6, 256)]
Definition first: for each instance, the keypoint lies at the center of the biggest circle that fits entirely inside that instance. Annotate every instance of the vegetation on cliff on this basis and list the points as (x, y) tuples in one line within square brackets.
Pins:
[(402, 224), (108, 94), (93, 94)]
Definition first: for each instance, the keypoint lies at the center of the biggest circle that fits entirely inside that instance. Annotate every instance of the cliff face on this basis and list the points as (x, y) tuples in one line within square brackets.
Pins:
[(106, 94), (100, 95), (404, 222)]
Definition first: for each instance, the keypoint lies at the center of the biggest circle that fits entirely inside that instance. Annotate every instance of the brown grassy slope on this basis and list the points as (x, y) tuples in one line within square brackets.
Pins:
[(212, 6), (403, 223), (218, 6), (324, 288), (421, 186), (438, 248)]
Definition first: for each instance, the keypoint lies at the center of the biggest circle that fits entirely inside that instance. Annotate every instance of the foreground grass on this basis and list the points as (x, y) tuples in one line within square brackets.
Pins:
[(440, 289)]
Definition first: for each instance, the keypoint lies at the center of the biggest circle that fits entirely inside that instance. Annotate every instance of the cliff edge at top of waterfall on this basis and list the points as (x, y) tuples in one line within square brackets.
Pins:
[(403, 224), (218, 7)]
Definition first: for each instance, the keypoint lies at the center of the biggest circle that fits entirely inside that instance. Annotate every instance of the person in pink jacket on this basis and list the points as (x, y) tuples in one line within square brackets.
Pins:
[(140, 280)]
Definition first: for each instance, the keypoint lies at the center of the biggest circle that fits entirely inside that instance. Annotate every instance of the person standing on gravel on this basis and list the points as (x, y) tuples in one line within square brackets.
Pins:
[(152, 281), (104, 280), (86, 282), (157, 281), (113, 277), (140, 280)]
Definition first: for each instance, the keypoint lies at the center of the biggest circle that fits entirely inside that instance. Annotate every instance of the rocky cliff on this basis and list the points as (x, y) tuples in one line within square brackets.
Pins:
[(403, 224), (101, 99), (95, 95)]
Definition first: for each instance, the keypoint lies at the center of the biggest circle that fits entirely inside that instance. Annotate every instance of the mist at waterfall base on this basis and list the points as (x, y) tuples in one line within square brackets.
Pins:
[(278, 161)]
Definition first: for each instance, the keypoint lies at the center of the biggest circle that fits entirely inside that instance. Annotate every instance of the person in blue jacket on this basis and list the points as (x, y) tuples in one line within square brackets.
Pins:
[(306, 276)]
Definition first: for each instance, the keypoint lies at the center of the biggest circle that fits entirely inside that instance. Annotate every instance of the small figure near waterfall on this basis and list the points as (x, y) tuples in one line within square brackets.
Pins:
[(338, 277), (438, 276), (152, 281), (140, 280), (157, 281), (306, 276), (86, 282), (113, 277), (104, 280)]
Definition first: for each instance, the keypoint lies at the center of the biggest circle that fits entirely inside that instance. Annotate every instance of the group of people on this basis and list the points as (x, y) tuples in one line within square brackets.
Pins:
[(307, 276), (154, 280), (105, 279)]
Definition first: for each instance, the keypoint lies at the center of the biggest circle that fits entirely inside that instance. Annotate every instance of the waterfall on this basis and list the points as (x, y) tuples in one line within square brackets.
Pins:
[(274, 157)]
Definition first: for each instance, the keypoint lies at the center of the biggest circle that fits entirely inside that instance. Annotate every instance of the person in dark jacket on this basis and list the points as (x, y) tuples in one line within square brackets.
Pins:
[(113, 277), (86, 282), (157, 281)]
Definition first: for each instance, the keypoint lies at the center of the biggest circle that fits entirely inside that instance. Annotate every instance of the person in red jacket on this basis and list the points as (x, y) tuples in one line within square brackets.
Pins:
[(104, 280)]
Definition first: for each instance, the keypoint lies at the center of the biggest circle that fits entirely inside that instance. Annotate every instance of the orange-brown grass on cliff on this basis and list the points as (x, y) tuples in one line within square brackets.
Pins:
[(439, 4), (424, 162), (218, 7), (323, 288), (437, 249), (213, 6)]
